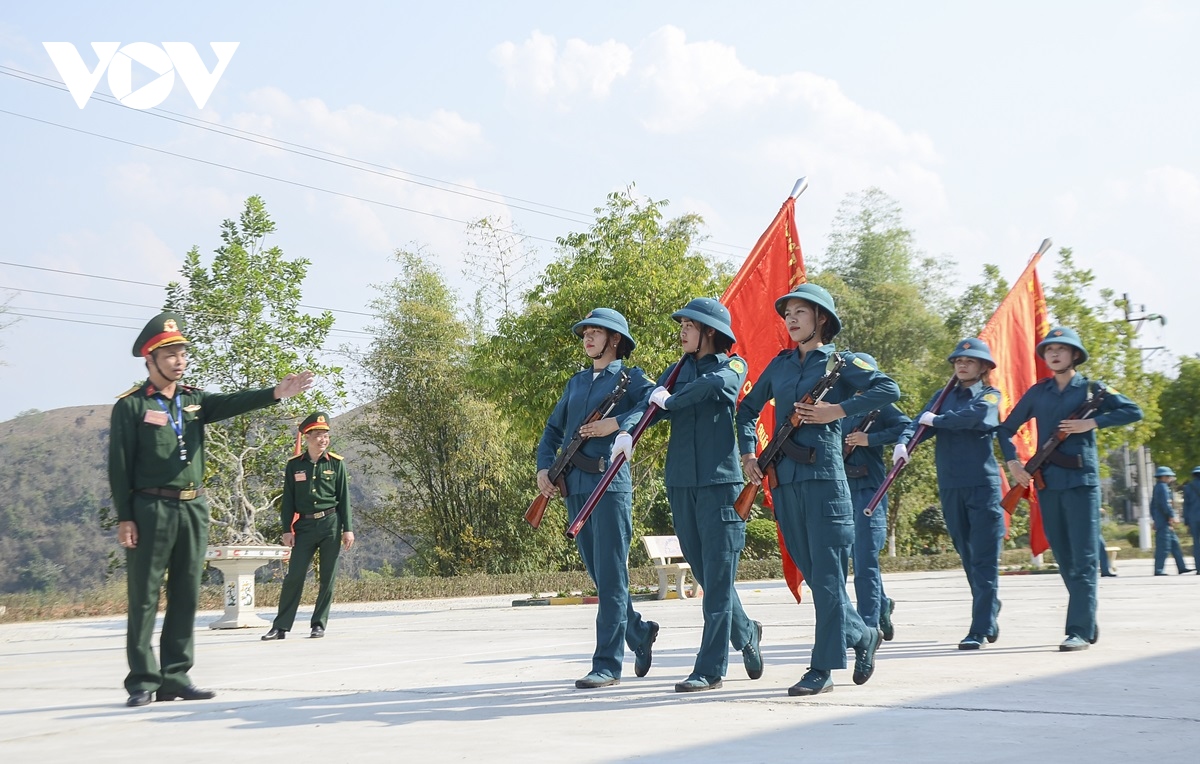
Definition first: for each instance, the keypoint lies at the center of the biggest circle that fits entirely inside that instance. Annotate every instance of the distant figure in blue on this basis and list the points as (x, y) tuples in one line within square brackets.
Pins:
[(1106, 569), (969, 480), (703, 478), (1162, 511), (603, 541), (1191, 514), (1070, 501), (865, 473)]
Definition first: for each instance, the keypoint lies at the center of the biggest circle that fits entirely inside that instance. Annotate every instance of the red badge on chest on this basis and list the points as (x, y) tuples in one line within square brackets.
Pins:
[(301, 477), (157, 418)]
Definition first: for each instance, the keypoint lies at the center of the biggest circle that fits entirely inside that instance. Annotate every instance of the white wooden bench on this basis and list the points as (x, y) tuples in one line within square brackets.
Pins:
[(668, 560)]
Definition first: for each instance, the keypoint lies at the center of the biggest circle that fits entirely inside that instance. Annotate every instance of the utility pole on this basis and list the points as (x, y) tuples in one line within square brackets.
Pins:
[(1142, 460)]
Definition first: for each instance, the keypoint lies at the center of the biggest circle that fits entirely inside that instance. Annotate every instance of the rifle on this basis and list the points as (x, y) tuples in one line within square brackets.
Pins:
[(1034, 465), (615, 465), (774, 450), (915, 440), (863, 426), (558, 470)]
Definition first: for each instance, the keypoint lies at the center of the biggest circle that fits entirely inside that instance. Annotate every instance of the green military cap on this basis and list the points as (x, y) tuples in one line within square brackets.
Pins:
[(164, 329), (318, 420)]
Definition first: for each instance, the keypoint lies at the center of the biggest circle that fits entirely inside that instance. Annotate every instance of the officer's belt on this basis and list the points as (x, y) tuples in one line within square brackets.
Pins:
[(798, 453), (594, 466), (173, 493), (856, 470), (1072, 462), (318, 515)]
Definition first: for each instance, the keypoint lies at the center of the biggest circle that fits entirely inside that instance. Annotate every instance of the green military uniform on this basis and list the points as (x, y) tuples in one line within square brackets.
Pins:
[(156, 473), (316, 507)]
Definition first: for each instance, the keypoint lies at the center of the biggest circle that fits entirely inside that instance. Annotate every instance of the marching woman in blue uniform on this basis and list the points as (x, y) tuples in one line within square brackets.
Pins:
[(969, 480), (703, 479), (1191, 514), (1162, 511), (865, 473), (812, 499), (603, 541), (1070, 501)]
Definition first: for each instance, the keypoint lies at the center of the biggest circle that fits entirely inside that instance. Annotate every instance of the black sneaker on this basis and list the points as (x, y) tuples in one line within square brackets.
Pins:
[(644, 655)]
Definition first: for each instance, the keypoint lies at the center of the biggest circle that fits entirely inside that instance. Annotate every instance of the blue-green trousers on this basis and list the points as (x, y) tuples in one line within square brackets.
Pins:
[(1166, 542), (172, 540), (603, 544), (818, 530), (1071, 518), (1195, 528), (975, 522), (870, 534), (712, 537), (321, 535)]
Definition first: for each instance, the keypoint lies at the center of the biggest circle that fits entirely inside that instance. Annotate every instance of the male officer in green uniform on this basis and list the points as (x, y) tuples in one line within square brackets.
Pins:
[(156, 472), (703, 478), (315, 515), (1162, 511)]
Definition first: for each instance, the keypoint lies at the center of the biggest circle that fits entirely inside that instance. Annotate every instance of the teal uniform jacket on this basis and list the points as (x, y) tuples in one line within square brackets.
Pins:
[(1044, 403), (701, 416), (310, 487), (579, 400), (144, 449), (964, 428), (787, 379), (885, 430), (1162, 504), (1191, 504)]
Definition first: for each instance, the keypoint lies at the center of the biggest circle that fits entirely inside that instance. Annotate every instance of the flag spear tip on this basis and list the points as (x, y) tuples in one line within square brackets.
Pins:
[(798, 189), (1045, 246)]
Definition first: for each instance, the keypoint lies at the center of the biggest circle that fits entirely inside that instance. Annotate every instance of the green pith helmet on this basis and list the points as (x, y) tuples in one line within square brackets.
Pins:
[(605, 318), (710, 313), (973, 347), (1063, 335), (164, 329), (1196, 470), (1164, 472), (818, 296)]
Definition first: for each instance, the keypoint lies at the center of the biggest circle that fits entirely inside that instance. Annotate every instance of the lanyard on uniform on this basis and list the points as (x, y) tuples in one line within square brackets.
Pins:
[(176, 424)]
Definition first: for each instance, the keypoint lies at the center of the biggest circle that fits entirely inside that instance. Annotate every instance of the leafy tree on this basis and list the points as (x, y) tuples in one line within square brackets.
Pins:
[(977, 304), (247, 330), (454, 454), (1177, 441)]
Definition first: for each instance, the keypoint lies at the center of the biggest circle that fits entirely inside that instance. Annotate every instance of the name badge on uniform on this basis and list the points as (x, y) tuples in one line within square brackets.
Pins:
[(301, 477), (156, 418)]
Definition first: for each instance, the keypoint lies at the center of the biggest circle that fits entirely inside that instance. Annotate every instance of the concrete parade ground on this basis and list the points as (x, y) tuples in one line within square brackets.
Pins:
[(480, 680)]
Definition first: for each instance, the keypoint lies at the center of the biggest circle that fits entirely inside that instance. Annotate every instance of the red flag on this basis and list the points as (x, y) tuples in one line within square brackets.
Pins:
[(774, 267), (1013, 332)]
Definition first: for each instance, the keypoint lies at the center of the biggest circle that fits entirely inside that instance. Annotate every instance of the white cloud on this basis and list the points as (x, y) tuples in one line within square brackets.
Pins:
[(1178, 190), (580, 68)]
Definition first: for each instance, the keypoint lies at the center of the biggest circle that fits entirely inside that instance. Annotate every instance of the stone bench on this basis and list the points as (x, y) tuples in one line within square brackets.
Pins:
[(668, 560)]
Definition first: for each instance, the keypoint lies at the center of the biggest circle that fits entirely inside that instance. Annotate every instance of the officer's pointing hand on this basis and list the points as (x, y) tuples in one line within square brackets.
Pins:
[(293, 384)]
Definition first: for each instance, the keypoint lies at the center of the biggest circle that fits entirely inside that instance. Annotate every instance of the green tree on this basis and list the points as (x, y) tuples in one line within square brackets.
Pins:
[(455, 456), (633, 260), (1177, 441), (247, 330)]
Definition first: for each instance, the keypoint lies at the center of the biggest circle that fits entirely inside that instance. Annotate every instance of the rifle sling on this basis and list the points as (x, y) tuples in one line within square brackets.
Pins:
[(1070, 462), (594, 466), (798, 453)]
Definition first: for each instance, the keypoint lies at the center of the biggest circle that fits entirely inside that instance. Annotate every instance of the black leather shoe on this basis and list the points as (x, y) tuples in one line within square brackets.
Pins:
[(1187, 570), (317, 632), (191, 692), (136, 699), (274, 634)]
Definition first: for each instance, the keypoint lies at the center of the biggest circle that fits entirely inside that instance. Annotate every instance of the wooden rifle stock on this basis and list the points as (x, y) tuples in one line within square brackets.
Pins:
[(615, 465), (1034, 465), (915, 440), (770, 454), (558, 470)]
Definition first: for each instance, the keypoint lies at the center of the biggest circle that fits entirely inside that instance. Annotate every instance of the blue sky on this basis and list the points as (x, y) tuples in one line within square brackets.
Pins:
[(994, 126)]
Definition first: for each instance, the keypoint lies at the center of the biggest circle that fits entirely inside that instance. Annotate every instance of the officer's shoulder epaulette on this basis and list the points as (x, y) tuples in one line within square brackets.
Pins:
[(332, 455), (190, 389), (131, 391)]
